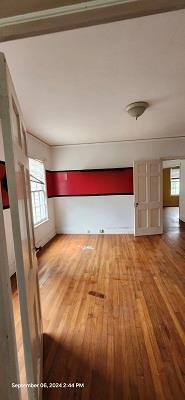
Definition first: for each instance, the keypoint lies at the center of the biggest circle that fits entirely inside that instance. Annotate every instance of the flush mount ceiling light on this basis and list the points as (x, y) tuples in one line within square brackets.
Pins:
[(137, 108)]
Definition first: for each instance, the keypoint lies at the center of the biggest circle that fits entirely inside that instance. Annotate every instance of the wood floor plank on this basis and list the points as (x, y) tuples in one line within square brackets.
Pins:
[(127, 341)]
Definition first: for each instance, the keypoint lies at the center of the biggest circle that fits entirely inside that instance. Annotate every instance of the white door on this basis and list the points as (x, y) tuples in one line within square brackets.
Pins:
[(148, 197), (8, 352), (15, 148)]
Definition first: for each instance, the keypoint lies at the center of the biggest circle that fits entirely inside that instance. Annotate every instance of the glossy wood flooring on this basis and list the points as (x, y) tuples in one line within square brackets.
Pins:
[(171, 220), (127, 343)]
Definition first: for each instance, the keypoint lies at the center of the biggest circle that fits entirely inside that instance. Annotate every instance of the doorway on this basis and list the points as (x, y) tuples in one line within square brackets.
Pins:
[(173, 195)]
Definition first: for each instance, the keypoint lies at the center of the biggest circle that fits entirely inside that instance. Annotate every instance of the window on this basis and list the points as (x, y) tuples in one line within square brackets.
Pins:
[(174, 181), (38, 191)]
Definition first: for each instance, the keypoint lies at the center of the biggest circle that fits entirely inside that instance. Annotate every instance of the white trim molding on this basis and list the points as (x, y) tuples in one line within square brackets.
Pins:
[(60, 11), (21, 23)]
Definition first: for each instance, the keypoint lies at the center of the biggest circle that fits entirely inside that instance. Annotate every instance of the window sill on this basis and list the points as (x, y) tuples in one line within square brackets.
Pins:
[(41, 223)]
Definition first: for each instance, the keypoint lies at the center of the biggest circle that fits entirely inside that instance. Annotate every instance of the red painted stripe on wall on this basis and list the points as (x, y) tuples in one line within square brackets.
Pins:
[(3, 183), (91, 182), (80, 183)]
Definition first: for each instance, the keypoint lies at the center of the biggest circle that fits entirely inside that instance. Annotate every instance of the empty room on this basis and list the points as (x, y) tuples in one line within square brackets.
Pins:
[(92, 200)]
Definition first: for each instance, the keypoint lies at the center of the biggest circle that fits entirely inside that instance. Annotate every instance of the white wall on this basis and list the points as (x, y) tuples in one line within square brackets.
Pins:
[(114, 214), (112, 155), (45, 231), (182, 192), (171, 163)]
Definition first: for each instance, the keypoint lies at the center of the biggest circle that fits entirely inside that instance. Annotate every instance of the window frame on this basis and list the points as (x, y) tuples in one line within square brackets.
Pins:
[(46, 218), (174, 180)]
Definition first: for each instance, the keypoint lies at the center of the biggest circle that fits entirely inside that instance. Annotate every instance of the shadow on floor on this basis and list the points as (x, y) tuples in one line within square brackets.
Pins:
[(63, 365)]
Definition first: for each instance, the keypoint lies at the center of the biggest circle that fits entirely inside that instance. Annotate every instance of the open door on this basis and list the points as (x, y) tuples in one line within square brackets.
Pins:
[(16, 158), (148, 197), (9, 372)]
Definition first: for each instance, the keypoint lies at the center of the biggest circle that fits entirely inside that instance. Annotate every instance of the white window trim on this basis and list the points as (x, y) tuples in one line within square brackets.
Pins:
[(41, 223), (46, 195), (173, 179)]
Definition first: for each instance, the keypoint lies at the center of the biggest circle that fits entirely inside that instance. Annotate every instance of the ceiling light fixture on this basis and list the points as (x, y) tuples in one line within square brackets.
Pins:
[(137, 108)]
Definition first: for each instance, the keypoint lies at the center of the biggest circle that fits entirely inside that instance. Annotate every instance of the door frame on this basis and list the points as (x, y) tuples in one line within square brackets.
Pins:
[(9, 369), (171, 159)]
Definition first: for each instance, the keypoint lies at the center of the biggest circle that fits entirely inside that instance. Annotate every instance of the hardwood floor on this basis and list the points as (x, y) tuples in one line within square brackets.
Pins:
[(172, 221), (128, 340)]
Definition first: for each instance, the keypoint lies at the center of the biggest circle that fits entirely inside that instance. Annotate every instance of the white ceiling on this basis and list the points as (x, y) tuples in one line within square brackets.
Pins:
[(73, 86)]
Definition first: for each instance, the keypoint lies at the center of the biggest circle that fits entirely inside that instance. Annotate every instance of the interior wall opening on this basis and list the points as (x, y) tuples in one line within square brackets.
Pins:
[(173, 195)]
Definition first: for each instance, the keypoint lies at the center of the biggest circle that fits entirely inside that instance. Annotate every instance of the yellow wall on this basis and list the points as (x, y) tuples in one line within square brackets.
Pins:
[(168, 200)]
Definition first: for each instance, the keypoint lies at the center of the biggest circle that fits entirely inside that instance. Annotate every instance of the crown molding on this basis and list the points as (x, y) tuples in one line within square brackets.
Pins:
[(78, 15), (167, 138)]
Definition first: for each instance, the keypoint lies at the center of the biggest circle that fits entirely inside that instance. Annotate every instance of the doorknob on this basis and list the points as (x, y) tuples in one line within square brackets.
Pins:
[(137, 204)]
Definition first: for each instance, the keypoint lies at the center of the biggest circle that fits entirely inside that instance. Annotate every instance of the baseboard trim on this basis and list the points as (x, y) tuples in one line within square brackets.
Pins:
[(71, 231)]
